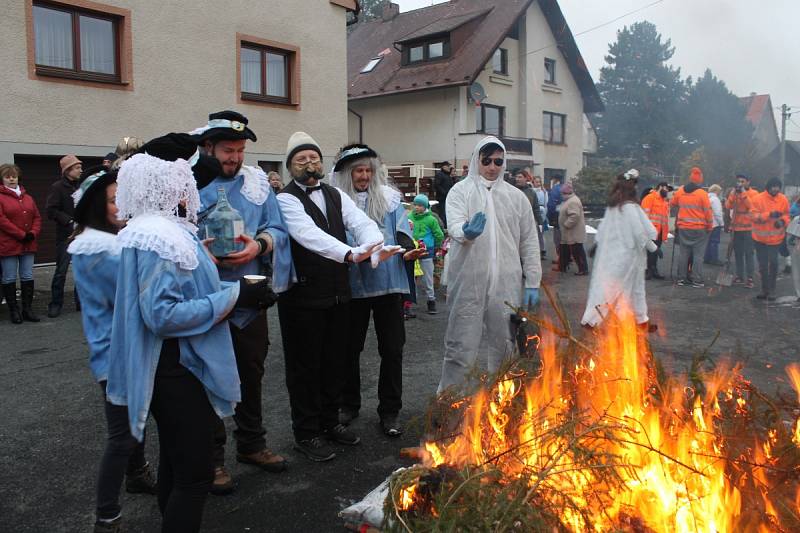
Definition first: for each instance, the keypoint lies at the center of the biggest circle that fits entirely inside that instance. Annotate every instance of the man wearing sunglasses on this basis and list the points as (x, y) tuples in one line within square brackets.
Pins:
[(493, 258)]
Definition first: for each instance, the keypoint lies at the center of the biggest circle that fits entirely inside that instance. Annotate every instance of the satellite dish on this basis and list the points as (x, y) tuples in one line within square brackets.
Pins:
[(477, 93)]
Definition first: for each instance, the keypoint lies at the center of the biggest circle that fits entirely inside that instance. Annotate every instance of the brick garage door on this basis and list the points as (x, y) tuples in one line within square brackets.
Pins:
[(38, 173)]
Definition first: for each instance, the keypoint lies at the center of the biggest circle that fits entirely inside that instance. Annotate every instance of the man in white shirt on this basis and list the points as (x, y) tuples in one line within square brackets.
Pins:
[(712, 247), (314, 312)]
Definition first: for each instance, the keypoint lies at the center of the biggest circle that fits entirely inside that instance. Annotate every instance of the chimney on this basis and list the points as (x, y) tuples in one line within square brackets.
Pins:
[(390, 11)]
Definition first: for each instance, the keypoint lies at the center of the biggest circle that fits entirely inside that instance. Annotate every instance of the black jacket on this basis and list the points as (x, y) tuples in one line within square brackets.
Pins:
[(442, 183), (60, 206)]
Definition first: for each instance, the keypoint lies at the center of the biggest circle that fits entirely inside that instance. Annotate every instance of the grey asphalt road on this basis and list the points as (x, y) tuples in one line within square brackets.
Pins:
[(52, 426)]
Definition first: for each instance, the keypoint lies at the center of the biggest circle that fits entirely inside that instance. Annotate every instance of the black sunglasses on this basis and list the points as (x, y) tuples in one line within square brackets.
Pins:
[(498, 161)]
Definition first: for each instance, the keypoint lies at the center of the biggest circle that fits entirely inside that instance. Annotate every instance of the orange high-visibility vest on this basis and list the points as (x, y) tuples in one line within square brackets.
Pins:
[(764, 230), (694, 209), (740, 204), (657, 210)]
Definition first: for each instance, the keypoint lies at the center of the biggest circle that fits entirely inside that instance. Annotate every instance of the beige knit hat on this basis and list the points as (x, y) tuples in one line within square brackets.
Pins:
[(67, 162), (299, 141)]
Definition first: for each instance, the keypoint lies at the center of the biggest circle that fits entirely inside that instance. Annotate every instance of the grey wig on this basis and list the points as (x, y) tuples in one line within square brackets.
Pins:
[(377, 204)]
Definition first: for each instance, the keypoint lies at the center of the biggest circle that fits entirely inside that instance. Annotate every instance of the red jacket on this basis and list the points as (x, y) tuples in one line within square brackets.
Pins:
[(18, 215)]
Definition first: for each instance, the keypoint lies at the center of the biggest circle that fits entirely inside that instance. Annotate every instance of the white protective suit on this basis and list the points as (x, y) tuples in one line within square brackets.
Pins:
[(624, 236), (482, 274)]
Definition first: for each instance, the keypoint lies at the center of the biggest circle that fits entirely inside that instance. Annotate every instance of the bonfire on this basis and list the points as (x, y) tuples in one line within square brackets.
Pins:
[(595, 436)]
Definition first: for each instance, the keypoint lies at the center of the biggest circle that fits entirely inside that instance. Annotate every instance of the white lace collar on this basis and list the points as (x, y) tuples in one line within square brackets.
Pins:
[(393, 198), (169, 237), (256, 185), (92, 241)]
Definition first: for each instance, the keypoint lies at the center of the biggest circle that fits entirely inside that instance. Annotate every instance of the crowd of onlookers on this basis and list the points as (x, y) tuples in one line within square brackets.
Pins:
[(21, 226)]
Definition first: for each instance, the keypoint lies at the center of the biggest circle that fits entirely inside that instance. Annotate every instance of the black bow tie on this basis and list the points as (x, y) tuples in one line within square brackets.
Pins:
[(309, 190)]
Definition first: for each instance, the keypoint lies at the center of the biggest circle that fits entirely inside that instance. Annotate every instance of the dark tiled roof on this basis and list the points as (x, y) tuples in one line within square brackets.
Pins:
[(443, 25), (495, 18)]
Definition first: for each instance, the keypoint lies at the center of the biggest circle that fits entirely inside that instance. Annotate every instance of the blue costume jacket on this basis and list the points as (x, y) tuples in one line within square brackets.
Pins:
[(168, 287), (250, 194), (95, 262), (390, 276)]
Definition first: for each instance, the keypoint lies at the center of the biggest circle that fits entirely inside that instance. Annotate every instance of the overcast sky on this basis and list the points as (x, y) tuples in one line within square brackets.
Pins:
[(750, 44)]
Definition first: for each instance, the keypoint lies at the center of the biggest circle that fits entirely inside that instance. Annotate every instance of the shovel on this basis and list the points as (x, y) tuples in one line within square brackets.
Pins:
[(725, 276)]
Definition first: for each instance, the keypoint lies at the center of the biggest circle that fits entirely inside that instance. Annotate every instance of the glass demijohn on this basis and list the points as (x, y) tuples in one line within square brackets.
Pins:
[(224, 225)]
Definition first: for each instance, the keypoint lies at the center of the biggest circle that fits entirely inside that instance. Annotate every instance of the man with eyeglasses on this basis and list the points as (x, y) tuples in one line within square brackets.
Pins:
[(493, 259), (266, 243), (315, 311)]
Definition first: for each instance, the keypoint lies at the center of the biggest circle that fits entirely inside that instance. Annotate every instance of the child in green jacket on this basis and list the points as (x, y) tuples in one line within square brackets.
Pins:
[(428, 231)]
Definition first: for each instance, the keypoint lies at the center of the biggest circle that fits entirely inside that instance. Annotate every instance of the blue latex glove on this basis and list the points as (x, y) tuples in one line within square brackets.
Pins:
[(531, 297), (474, 227)]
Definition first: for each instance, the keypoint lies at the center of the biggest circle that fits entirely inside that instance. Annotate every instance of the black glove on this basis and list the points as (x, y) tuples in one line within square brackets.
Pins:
[(255, 295), (775, 214), (29, 236), (779, 224), (593, 251)]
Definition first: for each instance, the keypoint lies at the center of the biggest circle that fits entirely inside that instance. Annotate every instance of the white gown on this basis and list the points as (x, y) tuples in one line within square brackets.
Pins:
[(623, 238), (482, 274)]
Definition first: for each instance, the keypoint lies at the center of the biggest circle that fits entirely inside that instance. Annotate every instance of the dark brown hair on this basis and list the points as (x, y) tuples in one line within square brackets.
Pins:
[(623, 190)]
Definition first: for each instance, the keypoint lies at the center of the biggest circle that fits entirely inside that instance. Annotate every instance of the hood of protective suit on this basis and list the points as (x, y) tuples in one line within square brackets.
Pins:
[(474, 172)]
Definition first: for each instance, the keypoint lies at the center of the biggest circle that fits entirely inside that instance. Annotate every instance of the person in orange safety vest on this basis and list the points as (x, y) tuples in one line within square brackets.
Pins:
[(656, 207), (738, 202), (693, 222), (770, 214)]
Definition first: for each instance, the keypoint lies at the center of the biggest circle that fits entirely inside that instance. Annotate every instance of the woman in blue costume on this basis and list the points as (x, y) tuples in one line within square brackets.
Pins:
[(95, 262), (171, 350)]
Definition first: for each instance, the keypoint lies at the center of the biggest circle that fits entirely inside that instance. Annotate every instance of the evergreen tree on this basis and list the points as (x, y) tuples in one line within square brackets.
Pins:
[(716, 126), (370, 9), (643, 96)]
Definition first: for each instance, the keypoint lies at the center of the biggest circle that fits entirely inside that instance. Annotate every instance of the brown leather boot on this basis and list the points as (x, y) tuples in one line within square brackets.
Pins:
[(264, 459), (223, 482)]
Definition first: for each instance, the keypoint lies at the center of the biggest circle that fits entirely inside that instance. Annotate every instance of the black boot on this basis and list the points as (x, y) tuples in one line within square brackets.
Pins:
[(10, 292), (27, 302)]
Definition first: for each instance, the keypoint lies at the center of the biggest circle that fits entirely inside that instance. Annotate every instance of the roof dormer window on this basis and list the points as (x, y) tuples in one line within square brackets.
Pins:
[(428, 50)]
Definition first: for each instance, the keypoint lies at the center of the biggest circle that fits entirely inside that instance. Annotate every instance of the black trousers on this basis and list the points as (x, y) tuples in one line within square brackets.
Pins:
[(123, 454), (186, 424), (250, 346), (412, 283), (60, 274), (652, 257), (767, 255), (387, 315), (576, 252), (314, 348)]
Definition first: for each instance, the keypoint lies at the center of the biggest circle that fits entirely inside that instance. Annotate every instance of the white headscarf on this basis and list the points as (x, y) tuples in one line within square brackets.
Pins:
[(474, 168)]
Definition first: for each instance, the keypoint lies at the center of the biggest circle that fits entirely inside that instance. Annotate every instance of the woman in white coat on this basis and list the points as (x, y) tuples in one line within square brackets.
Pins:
[(493, 258), (624, 237)]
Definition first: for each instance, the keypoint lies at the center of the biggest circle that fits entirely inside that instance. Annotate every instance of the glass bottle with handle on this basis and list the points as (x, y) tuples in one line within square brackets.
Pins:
[(224, 225)]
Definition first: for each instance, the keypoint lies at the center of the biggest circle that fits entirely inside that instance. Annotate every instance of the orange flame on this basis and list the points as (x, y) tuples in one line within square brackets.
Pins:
[(670, 459)]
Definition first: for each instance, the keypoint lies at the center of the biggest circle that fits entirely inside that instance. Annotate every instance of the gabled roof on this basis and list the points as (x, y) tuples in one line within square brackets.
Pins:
[(757, 105), (495, 19)]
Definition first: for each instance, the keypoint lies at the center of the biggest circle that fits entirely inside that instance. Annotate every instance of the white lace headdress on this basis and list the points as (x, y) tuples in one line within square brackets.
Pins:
[(149, 185)]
